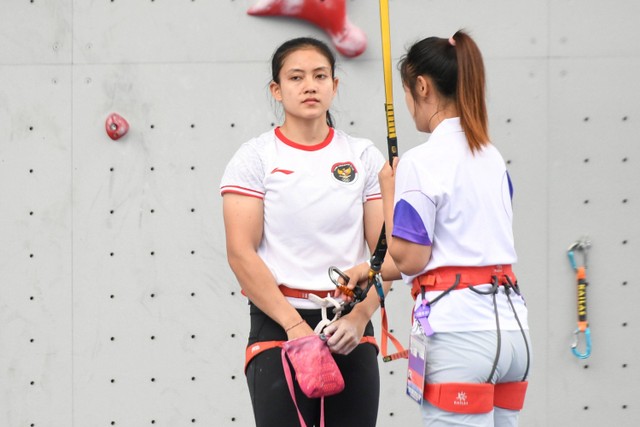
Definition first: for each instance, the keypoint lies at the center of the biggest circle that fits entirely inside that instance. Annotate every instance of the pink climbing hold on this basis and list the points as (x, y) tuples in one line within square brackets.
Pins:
[(330, 15), (116, 126)]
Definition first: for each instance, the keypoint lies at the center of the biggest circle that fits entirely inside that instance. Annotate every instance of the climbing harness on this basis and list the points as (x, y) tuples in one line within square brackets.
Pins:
[(450, 278), (256, 348), (326, 303), (328, 306), (583, 246), (479, 397)]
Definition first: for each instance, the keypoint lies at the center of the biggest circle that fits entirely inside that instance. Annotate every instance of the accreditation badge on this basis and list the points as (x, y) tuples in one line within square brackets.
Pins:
[(417, 363), (420, 330)]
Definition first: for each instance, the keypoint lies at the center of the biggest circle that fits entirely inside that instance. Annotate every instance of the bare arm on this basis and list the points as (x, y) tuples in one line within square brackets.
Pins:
[(410, 258), (244, 222)]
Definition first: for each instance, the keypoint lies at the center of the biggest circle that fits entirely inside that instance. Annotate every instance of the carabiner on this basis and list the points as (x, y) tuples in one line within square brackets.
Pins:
[(340, 273), (582, 245), (377, 282), (587, 340), (333, 271)]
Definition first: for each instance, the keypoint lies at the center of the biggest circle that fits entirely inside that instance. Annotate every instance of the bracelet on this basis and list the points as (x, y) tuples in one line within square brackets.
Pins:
[(294, 325)]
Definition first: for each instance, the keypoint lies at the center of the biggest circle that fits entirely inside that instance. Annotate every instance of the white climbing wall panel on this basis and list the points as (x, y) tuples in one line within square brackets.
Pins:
[(117, 307)]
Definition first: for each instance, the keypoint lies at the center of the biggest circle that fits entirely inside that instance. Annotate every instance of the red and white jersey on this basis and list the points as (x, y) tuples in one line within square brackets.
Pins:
[(313, 203)]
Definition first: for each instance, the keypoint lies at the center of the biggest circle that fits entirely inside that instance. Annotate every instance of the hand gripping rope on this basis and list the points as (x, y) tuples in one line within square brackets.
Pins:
[(582, 245), (377, 258)]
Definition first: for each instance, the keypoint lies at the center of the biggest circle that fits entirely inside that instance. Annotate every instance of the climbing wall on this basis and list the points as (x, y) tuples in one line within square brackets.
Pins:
[(593, 174), (117, 306)]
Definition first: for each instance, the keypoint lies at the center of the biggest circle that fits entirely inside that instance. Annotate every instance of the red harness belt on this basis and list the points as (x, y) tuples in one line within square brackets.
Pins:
[(441, 279), (472, 398), (255, 349), (510, 395), (299, 293)]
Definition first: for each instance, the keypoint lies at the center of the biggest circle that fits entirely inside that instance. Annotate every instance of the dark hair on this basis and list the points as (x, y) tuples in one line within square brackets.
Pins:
[(290, 46), (456, 68)]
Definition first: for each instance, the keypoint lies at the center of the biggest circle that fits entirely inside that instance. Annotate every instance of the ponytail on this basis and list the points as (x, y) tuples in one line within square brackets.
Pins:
[(455, 66), (470, 91)]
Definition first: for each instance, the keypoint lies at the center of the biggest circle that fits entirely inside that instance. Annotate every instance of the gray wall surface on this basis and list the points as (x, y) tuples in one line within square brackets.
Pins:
[(117, 306)]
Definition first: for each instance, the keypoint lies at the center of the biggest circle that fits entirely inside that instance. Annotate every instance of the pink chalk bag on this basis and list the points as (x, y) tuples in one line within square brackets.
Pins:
[(316, 371)]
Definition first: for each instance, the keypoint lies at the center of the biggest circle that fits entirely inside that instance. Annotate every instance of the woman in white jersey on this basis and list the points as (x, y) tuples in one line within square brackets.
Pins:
[(298, 199), (447, 206)]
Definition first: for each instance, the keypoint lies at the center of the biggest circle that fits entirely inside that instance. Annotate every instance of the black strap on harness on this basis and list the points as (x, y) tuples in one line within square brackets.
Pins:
[(493, 290)]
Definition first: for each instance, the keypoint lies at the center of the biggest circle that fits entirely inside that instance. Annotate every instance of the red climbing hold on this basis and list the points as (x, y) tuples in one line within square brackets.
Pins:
[(330, 15), (116, 126)]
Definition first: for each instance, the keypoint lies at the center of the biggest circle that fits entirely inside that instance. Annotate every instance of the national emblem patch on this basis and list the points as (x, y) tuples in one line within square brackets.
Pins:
[(344, 172)]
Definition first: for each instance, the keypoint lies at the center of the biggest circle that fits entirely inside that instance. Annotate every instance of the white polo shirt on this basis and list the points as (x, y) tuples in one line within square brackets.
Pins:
[(313, 203), (458, 203)]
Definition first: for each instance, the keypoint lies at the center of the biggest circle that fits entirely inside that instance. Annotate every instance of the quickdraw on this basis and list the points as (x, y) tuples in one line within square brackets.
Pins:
[(583, 246), (357, 295), (339, 306)]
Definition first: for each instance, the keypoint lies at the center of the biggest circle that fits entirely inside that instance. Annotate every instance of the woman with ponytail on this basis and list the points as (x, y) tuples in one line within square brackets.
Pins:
[(448, 216)]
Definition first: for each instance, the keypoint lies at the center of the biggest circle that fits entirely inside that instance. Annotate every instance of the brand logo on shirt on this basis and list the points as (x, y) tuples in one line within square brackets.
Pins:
[(344, 172), (284, 171)]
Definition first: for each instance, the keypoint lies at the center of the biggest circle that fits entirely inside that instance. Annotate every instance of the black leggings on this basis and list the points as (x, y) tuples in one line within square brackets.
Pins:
[(355, 406)]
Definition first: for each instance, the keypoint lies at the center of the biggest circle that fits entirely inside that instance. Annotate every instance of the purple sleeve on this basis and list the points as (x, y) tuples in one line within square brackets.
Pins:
[(408, 225)]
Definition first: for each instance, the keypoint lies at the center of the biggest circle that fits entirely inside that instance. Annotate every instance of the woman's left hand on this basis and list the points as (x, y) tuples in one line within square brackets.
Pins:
[(345, 333)]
